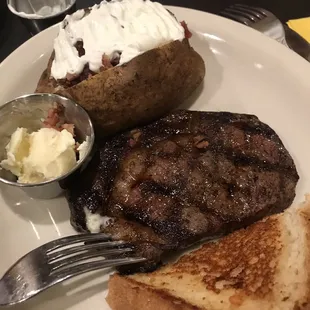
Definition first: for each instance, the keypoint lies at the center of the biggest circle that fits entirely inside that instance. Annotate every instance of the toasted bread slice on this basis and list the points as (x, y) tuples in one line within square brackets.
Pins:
[(265, 267)]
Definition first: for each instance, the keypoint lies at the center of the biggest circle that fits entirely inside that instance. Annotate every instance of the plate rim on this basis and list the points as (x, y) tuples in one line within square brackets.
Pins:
[(274, 47), (293, 62)]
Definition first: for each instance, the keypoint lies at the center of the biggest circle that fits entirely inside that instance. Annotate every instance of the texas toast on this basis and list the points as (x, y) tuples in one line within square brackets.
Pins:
[(265, 266)]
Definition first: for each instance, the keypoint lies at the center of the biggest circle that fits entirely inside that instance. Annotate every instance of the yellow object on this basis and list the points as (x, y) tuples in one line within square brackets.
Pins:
[(301, 26)]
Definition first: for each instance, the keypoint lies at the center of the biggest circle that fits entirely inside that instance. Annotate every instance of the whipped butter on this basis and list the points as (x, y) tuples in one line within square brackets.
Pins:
[(40, 156), (131, 27)]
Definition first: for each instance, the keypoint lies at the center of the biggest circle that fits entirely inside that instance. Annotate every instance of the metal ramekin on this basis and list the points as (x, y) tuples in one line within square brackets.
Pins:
[(28, 111)]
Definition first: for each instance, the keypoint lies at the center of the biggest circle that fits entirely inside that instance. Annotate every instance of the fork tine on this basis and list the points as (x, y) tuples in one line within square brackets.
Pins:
[(250, 13), (241, 12), (92, 266), (236, 17), (56, 244), (253, 9), (86, 255), (80, 248)]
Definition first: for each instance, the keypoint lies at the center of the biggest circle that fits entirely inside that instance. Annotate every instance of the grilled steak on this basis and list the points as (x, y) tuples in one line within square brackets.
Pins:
[(186, 177)]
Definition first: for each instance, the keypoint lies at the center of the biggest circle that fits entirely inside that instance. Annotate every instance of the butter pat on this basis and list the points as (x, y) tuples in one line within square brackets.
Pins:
[(40, 156)]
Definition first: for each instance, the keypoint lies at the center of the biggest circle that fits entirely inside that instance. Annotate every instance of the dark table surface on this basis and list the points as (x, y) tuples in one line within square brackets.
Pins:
[(13, 33)]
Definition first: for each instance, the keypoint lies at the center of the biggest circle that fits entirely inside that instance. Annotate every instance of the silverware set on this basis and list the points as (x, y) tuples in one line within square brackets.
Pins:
[(267, 23), (257, 18)]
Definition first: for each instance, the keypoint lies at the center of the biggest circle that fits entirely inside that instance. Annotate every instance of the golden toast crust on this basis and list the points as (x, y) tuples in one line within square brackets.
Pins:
[(244, 260), (126, 293)]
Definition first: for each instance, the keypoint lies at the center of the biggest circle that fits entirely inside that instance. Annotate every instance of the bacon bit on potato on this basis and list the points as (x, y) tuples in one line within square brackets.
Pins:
[(74, 79), (71, 77), (106, 62), (187, 33)]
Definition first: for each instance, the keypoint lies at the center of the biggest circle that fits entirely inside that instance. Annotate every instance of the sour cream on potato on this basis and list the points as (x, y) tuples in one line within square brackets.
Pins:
[(131, 27)]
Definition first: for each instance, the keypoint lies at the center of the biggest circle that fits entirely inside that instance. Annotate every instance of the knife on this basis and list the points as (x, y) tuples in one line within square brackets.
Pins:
[(297, 43), (266, 22)]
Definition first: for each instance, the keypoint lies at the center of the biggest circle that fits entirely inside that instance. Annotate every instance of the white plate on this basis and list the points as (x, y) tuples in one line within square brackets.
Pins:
[(246, 72)]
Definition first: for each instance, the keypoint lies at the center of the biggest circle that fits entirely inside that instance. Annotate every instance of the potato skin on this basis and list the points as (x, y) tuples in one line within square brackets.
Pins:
[(138, 92)]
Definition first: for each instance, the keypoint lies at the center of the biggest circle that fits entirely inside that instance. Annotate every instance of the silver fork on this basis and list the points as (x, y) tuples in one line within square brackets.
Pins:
[(60, 260), (257, 18)]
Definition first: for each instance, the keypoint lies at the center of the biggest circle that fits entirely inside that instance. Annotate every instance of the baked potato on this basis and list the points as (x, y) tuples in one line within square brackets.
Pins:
[(135, 92)]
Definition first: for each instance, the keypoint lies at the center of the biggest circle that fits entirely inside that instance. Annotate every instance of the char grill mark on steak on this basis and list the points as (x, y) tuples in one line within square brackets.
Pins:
[(185, 177)]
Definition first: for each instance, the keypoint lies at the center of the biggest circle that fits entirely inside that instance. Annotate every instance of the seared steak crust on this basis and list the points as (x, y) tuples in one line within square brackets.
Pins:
[(188, 176)]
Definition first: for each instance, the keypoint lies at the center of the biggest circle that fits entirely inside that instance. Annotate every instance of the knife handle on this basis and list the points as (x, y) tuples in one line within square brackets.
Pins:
[(297, 43)]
